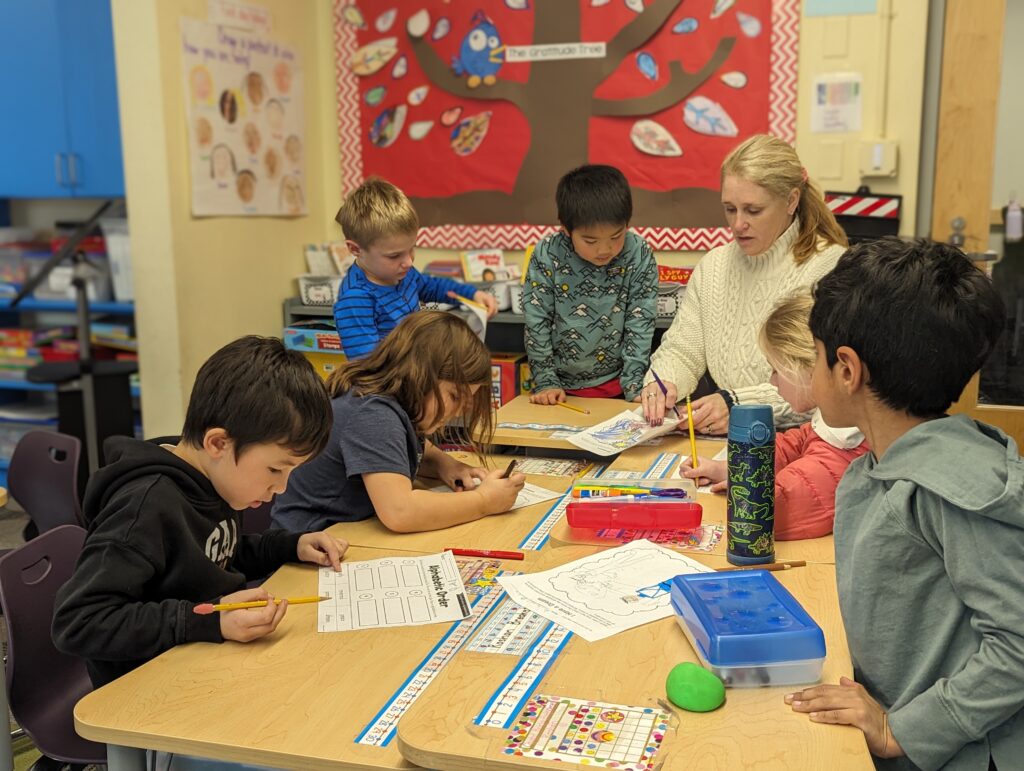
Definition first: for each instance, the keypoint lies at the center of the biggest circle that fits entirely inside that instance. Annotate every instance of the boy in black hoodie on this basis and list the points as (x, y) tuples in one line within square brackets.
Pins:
[(164, 521)]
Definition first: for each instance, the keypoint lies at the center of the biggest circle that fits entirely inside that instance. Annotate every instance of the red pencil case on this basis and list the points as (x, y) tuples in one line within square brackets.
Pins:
[(654, 515)]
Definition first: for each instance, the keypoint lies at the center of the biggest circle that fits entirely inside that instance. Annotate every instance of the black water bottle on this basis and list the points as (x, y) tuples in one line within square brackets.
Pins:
[(751, 498)]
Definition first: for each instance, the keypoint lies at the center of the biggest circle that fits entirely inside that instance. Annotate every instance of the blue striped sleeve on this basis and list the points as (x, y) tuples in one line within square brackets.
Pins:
[(436, 289), (353, 315)]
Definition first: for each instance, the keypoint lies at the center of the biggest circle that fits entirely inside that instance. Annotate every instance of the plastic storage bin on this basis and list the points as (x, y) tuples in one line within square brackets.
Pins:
[(747, 629), (607, 512)]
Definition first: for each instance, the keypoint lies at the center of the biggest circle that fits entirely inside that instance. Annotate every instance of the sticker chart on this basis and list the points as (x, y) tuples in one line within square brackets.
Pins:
[(618, 433), (381, 730), (589, 733), (389, 592), (537, 537), (507, 702)]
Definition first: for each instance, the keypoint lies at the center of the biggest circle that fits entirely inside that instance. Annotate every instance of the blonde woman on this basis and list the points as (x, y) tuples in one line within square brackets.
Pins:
[(785, 239), (809, 460)]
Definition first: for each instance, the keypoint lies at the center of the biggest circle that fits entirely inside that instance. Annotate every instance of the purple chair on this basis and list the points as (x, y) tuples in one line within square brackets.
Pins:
[(43, 479), (43, 684)]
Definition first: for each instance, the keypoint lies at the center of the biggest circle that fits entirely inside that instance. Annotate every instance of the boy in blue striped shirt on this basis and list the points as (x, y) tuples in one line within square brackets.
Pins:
[(382, 287)]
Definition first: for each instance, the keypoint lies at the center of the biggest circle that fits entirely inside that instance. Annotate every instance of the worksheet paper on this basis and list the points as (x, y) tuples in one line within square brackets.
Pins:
[(625, 430), (529, 495), (605, 593), (394, 591)]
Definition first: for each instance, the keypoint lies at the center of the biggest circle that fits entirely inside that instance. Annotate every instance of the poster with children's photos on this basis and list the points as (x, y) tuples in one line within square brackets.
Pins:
[(244, 102)]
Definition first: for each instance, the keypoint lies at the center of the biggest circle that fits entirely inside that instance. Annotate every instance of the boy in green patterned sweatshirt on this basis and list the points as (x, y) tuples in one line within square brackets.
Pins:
[(590, 294)]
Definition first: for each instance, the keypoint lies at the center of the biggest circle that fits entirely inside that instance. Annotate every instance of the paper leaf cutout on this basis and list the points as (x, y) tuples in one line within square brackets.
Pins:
[(750, 25), (386, 20), (735, 79), (685, 26), (387, 126), (375, 95), (418, 23), (654, 139), (470, 132), (373, 56), (420, 129), (707, 117)]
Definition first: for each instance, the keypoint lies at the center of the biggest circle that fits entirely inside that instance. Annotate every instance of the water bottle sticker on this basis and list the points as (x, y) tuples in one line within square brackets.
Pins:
[(751, 502)]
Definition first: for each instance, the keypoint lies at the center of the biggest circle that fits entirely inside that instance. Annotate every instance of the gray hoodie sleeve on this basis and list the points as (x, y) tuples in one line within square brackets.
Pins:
[(982, 557)]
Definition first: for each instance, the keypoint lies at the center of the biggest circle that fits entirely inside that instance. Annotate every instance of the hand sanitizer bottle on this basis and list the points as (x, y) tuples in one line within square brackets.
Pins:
[(1014, 220)]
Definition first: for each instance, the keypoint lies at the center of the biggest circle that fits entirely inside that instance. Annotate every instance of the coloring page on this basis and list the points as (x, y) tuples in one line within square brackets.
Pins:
[(625, 430)]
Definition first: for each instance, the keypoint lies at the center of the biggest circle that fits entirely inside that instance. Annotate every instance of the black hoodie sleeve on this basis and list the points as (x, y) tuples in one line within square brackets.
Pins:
[(262, 554), (99, 613)]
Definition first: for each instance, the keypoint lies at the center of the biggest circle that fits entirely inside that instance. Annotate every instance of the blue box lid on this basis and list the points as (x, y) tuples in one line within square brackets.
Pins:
[(745, 617)]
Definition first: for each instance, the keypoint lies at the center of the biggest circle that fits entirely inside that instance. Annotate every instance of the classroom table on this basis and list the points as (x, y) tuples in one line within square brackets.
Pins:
[(497, 531), (520, 410), (754, 729), (299, 699), (294, 700), (714, 504)]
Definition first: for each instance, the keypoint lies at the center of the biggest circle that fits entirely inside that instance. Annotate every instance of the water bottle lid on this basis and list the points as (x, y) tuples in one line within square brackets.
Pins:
[(751, 423), (759, 433)]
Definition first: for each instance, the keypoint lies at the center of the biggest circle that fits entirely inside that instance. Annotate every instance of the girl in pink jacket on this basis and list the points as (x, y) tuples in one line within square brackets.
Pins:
[(810, 459)]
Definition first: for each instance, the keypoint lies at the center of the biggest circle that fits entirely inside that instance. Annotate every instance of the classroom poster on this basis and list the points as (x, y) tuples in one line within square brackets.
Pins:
[(476, 110), (246, 126)]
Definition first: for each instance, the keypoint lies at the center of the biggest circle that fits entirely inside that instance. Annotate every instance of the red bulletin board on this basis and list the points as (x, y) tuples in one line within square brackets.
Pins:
[(475, 109)]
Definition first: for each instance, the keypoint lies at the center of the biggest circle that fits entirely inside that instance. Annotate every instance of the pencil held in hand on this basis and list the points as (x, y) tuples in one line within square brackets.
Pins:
[(206, 608)]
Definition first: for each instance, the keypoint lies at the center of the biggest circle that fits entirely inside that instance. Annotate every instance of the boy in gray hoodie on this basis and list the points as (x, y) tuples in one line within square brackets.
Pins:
[(929, 528)]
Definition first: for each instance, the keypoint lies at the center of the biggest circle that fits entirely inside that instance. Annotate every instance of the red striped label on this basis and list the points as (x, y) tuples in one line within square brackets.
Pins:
[(886, 207)]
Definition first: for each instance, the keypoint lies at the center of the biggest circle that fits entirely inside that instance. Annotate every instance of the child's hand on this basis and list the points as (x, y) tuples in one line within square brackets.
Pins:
[(460, 476), (248, 624), (708, 472), (500, 494), (487, 300), (710, 415), (849, 704), (322, 549), (548, 396)]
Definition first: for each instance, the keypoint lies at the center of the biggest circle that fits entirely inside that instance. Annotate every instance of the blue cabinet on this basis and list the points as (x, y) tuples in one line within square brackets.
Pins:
[(60, 134)]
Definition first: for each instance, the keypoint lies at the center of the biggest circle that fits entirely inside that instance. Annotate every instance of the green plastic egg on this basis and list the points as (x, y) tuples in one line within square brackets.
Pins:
[(694, 688)]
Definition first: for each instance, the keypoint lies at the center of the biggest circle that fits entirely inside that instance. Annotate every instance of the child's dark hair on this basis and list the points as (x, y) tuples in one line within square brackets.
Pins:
[(409, 364), (260, 392), (920, 316), (593, 195)]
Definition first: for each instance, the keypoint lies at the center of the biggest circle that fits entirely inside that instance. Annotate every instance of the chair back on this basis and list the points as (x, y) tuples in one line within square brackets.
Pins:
[(43, 684), (43, 479), (256, 521)]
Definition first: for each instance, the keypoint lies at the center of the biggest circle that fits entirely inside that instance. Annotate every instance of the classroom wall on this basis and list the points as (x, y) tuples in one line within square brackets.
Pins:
[(203, 282), (1009, 160)]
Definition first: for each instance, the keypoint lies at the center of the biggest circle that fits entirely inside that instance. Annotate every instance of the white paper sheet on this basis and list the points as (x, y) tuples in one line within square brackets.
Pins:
[(394, 591), (529, 495), (625, 430), (605, 593)]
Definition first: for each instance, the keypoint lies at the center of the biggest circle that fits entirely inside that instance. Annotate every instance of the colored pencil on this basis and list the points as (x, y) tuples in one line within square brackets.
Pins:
[(501, 555), (693, 439), (768, 566), (509, 470), (573, 407), (206, 608), (664, 390)]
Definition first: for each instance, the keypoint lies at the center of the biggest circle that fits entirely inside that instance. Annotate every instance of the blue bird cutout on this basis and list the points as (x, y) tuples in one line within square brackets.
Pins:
[(481, 53)]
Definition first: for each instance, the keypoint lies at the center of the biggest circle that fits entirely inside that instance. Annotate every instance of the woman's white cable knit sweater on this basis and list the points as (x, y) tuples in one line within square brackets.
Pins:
[(723, 307)]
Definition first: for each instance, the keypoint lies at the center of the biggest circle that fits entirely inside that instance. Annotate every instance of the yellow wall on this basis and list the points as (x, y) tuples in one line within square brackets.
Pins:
[(203, 282)]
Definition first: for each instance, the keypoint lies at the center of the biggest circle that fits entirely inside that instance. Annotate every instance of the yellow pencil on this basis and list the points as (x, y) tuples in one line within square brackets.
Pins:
[(205, 608), (573, 407), (467, 301), (693, 438)]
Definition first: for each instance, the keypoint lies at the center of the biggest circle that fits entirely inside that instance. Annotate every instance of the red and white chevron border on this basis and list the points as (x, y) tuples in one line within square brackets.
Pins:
[(781, 122), (884, 207)]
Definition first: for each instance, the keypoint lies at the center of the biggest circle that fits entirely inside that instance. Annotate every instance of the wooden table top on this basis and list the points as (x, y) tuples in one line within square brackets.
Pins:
[(294, 700), (754, 729), (498, 531), (519, 410), (714, 505)]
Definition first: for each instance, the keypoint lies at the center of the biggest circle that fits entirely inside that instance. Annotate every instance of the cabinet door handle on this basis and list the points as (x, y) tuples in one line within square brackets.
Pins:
[(73, 168), (58, 169)]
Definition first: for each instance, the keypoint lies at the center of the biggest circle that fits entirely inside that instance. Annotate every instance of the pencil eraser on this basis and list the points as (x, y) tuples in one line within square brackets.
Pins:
[(203, 608)]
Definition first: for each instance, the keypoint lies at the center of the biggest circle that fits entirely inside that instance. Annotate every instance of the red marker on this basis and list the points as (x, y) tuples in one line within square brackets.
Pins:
[(500, 555)]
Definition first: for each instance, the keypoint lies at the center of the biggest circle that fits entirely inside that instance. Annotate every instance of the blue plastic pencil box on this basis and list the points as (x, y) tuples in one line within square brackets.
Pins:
[(747, 629)]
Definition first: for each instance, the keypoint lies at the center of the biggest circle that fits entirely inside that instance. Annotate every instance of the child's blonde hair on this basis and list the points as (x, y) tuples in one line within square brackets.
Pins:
[(409, 364), (770, 163), (376, 209), (786, 339)]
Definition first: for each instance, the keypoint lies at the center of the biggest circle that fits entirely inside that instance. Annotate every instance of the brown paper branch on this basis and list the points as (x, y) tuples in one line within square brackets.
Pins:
[(441, 75), (637, 32), (681, 84)]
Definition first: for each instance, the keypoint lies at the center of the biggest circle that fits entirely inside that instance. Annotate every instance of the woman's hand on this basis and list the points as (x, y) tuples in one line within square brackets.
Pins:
[(322, 549), (849, 704), (548, 396), (710, 415), (500, 494), (656, 403), (708, 472)]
